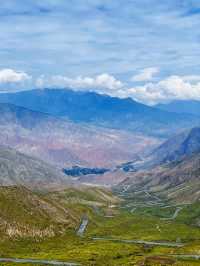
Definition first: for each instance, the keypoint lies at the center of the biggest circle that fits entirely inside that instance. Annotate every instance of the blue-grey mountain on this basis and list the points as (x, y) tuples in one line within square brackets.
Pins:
[(182, 107), (102, 110)]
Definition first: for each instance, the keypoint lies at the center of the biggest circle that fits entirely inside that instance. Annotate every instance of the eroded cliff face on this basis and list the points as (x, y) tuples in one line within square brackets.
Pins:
[(18, 231), (24, 213)]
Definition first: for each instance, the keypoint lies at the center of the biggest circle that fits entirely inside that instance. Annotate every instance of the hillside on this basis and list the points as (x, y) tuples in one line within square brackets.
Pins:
[(172, 169), (179, 146), (169, 149), (96, 109), (64, 143), (27, 214), (175, 148), (181, 106), (179, 181), (19, 169)]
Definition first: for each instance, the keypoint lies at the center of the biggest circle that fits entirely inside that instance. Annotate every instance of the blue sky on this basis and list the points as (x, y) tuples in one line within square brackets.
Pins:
[(88, 38)]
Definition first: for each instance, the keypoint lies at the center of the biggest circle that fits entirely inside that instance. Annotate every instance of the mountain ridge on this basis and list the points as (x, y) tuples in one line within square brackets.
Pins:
[(181, 106), (99, 109)]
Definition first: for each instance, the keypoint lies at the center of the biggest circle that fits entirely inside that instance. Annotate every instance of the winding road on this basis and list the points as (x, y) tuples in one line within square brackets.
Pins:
[(174, 215)]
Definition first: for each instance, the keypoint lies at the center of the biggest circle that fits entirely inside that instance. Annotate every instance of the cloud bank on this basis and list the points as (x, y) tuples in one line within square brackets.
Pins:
[(103, 82), (170, 88), (166, 89)]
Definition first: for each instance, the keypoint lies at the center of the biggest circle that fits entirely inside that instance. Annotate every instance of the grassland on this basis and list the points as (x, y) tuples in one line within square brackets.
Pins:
[(145, 223)]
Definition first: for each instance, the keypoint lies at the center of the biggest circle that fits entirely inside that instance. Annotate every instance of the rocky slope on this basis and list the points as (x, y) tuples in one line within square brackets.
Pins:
[(19, 169), (179, 146), (66, 143), (175, 148), (173, 169)]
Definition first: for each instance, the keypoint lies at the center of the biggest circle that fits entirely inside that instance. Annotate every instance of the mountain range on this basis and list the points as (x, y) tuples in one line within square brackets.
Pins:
[(67, 128), (181, 107), (102, 110), (55, 171), (51, 130)]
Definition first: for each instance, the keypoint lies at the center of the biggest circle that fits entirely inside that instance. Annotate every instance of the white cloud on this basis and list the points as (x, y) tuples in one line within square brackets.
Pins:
[(171, 88), (101, 82), (145, 74), (168, 89), (11, 76)]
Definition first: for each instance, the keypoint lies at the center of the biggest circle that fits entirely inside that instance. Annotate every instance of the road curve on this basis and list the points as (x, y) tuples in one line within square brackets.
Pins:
[(174, 215)]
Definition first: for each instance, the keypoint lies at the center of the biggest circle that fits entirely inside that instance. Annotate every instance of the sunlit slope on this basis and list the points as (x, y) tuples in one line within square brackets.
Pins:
[(24, 213)]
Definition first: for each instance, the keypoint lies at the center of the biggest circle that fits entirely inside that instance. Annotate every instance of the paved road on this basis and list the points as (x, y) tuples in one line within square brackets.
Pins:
[(152, 243), (133, 210), (42, 262), (174, 215), (152, 196), (125, 188), (82, 226)]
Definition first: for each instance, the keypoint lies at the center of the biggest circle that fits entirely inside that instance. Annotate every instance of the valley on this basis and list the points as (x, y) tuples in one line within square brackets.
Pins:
[(99, 133), (80, 193)]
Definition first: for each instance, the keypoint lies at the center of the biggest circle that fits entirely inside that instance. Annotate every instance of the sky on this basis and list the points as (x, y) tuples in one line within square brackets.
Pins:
[(144, 49)]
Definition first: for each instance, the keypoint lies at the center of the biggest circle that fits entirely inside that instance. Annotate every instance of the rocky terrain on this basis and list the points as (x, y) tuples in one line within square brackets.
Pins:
[(19, 169), (64, 143)]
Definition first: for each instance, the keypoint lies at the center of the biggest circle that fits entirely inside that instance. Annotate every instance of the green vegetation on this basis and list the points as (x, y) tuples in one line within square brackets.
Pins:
[(107, 220)]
